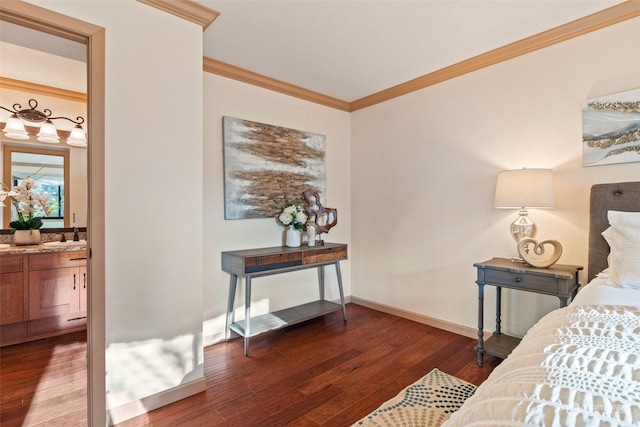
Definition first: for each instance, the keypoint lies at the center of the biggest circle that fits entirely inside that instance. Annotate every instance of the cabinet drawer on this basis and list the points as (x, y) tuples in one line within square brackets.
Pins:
[(325, 255), (57, 260), (272, 262), (546, 284), (10, 263)]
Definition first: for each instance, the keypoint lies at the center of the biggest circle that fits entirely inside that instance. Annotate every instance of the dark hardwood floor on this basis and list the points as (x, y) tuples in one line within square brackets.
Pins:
[(323, 372), (44, 382)]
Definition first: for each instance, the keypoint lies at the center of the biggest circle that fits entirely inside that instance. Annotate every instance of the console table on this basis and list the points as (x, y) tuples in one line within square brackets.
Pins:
[(252, 263)]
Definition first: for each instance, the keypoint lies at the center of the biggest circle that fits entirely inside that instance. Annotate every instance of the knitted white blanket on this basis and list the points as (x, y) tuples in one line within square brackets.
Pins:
[(578, 366)]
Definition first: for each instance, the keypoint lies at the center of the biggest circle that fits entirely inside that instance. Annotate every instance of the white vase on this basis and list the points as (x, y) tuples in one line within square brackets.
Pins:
[(26, 237), (292, 237)]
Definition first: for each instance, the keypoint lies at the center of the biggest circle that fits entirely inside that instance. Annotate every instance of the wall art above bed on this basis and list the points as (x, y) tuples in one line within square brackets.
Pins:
[(267, 167), (611, 129)]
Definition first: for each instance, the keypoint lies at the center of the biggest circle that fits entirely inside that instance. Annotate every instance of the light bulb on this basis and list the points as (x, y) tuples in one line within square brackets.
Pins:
[(78, 137), (14, 128), (48, 133)]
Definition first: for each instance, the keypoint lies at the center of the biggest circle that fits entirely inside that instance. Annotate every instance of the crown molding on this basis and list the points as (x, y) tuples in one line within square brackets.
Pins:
[(13, 84), (231, 71), (596, 21), (204, 16), (187, 9), (607, 17)]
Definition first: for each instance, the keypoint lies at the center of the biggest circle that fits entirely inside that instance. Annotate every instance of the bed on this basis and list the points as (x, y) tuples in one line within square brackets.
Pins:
[(579, 365)]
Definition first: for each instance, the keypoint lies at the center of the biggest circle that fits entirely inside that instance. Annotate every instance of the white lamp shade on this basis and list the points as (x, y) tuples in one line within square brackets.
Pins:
[(14, 128), (525, 188), (78, 137), (48, 133)]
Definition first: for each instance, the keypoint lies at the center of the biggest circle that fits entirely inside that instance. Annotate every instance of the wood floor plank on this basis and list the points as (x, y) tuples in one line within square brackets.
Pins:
[(323, 372), (347, 373), (295, 409)]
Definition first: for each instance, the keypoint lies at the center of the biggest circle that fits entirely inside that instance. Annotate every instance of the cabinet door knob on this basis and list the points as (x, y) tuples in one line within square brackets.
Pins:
[(517, 279)]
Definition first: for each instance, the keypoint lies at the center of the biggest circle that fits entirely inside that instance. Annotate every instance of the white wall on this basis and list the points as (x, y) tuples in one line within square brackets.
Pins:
[(153, 180), (424, 168), (226, 97)]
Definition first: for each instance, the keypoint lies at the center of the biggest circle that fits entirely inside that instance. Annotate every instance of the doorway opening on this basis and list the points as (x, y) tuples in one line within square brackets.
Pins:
[(31, 17)]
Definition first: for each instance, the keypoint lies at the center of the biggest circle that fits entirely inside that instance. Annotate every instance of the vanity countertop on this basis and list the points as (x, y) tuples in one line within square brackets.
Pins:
[(32, 249)]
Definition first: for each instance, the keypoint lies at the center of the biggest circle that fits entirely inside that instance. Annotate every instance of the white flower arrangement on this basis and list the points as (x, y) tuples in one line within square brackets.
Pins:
[(27, 203), (295, 216)]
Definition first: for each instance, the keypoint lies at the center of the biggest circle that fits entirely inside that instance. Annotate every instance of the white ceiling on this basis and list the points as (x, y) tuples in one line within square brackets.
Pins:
[(36, 40), (349, 49)]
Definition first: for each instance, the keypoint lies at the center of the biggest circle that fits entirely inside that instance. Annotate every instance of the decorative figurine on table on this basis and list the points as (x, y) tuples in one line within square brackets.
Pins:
[(322, 219), (535, 256)]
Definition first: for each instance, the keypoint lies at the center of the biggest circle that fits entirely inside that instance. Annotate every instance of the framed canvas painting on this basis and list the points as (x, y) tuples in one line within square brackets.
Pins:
[(267, 167), (611, 129)]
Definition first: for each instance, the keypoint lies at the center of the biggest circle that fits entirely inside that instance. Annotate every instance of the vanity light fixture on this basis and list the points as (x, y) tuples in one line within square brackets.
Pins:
[(14, 128)]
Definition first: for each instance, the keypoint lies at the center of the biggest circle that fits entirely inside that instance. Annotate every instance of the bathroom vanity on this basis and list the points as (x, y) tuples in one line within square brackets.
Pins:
[(43, 292)]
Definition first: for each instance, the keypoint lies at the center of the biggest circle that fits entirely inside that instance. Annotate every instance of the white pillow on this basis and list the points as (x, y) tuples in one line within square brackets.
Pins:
[(624, 219), (607, 236), (624, 259)]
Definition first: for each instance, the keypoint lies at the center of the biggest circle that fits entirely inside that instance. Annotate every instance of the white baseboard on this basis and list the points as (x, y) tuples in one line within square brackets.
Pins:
[(420, 318), (155, 401)]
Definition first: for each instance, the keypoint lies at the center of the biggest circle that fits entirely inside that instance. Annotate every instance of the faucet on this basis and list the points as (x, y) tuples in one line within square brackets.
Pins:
[(76, 238)]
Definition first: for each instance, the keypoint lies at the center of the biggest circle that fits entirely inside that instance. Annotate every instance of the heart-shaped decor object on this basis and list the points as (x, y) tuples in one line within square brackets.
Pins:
[(534, 252)]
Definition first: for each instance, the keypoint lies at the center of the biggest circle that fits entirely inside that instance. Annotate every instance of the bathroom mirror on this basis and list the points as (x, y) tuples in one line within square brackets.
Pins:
[(53, 171)]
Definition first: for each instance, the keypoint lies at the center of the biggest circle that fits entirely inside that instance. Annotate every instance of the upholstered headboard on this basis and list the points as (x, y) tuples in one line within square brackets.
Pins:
[(623, 196)]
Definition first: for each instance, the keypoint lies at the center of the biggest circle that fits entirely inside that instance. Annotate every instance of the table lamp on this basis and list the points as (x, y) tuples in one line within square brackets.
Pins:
[(522, 189)]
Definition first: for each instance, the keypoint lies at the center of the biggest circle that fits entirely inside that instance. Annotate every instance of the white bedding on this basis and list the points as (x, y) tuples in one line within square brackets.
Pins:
[(578, 366), (601, 291)]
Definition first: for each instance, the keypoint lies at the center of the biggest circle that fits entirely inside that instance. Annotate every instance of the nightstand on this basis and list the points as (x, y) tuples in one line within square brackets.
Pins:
[(558, 280)]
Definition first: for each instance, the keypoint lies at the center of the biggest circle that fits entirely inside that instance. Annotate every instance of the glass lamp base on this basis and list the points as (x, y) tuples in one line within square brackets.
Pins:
[(522, 227)]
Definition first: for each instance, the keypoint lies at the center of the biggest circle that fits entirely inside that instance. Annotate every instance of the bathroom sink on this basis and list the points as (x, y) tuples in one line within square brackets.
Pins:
[(65, 244)]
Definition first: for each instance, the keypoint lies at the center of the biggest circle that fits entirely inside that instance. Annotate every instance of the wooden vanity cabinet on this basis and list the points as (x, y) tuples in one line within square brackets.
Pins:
[(12, 290), (56, 292), (46, 297)]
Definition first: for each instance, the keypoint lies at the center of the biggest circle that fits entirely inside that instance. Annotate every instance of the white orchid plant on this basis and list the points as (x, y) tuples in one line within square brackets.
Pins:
[(295, 216), (27, 203)]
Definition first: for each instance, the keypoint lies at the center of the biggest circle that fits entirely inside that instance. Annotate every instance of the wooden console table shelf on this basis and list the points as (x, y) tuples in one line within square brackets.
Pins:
[(252, 263)]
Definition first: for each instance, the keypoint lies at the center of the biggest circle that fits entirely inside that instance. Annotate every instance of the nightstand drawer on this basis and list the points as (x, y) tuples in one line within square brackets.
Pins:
[(522, 281)]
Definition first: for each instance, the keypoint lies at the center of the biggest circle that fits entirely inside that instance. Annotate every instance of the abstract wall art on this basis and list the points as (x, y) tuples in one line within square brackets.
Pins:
[(267, 167), (611, 129)]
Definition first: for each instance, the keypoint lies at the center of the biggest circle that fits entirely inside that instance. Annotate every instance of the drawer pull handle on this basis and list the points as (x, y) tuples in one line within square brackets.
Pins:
[(77, 259), (517, 279)]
